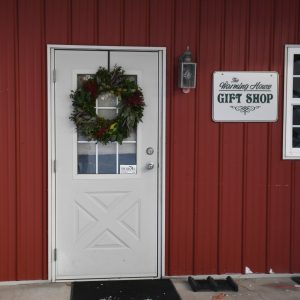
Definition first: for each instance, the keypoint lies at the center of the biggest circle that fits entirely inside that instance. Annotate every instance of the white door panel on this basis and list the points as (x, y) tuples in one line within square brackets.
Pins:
[(106, 224)]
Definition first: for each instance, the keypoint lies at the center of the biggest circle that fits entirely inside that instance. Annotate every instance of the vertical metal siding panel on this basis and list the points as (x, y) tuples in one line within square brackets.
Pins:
[(30, 143), (162, 16), (58, 21), (295, 243), (232, 155), (135, 22), (295, 207), (279, 214), (84, 14), (8, 144), (44, 141), (254, 231), (207, 140), (182, 152), (110, 16)]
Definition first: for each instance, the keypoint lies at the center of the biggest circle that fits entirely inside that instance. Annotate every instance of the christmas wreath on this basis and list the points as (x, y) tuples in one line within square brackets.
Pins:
[(130, 106)]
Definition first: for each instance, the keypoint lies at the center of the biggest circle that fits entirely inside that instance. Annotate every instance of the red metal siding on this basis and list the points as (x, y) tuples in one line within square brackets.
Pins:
[(295, 220), (231, 200), (58, 21), (31, 166), (280, 172), (256, 158), (107, 9), (207, 154), (84, 12), (182, 135), (232, 155), (136, 23), (162, 16), (8, 186)]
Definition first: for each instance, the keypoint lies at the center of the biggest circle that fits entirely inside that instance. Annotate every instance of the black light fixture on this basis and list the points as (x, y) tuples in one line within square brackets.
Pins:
[(186, 72)]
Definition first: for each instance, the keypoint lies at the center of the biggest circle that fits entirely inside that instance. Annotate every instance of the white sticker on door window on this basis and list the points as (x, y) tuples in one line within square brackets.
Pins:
[(127, 169)]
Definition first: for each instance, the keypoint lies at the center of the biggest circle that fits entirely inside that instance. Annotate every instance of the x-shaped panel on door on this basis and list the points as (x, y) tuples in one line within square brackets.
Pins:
[(107, 220)]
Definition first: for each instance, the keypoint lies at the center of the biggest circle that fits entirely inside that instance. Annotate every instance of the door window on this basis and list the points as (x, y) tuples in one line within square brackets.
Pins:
[(113, 158)]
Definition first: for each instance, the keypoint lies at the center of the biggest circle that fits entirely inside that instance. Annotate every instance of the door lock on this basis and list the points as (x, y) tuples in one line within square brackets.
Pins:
[(150, 166), (149, 150)]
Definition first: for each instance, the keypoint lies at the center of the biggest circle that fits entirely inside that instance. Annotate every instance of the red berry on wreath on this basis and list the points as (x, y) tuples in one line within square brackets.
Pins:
[(91, 87)]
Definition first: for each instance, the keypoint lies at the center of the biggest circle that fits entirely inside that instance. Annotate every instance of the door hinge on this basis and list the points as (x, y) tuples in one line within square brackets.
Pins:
[(55, 254), (54, 75), (54, 165)]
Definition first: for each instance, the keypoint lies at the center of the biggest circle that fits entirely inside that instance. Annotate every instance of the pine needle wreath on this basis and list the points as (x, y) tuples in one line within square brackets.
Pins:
[(130, 106)]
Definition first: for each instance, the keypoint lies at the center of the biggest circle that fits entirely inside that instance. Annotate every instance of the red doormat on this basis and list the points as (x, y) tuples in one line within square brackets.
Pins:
[(157, 289)]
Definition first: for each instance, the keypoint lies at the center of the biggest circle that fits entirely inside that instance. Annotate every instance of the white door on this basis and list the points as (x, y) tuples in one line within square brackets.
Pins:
[(106, 223)]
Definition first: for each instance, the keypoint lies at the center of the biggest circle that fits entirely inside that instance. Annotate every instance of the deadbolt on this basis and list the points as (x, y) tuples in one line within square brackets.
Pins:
[(149, 150)]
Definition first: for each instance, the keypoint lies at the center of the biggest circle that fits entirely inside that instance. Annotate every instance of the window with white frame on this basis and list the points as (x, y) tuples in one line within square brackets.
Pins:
[(291, 131), (96, 158)]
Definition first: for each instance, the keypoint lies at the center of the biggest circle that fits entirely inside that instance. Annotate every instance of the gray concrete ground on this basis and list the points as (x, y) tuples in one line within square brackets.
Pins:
[(249, 289), (43, 291)]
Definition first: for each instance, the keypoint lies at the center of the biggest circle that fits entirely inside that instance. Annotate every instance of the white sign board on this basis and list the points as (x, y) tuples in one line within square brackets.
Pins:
[(245, 96)]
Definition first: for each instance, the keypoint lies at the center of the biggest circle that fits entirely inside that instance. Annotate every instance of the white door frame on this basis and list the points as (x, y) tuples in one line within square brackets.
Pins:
[(51, 149)]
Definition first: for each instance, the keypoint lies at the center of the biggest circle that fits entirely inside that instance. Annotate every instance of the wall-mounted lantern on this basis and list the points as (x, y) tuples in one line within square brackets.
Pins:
[(186, 72)]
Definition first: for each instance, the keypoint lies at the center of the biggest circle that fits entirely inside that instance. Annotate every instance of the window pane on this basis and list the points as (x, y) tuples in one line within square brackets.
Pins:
[(107, 159), (86, 158), (81, 138), (296, 137), (132, 136), (108, 114), (132, 77), (107, 99), (296, 64), (83, 77), (296, 88), (296, 115), (127, 154)]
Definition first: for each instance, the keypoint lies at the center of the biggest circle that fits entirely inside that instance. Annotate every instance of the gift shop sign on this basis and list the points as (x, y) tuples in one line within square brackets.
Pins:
[(245, 96)]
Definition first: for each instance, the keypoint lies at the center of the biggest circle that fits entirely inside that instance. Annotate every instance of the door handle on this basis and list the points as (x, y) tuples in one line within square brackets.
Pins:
[(150, 166)]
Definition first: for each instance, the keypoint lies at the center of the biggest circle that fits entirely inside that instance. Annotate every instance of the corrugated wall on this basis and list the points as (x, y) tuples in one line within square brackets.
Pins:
[(231, 201)]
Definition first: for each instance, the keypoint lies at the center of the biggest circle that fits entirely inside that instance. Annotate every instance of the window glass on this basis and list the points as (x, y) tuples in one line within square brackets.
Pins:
[(83, 77), (296, 137), (96, 158), (86, 158), (81, 138), (127, 154), (107, 158), (296, 115), (296, 87), (188, 70), (297, 64), (107, 100), (132, 136), (108, 114)]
